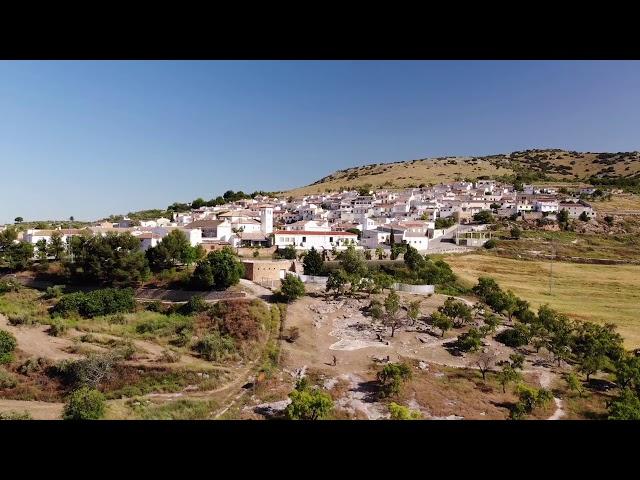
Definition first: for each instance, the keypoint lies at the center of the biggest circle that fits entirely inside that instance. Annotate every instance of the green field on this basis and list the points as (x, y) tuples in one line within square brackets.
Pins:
[(598, 293)]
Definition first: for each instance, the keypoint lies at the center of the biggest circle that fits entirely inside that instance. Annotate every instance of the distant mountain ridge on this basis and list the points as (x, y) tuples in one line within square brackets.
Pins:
[(527, 165)]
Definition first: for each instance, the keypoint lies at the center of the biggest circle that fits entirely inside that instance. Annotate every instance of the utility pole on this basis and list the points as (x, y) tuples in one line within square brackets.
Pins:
[(553, 254)]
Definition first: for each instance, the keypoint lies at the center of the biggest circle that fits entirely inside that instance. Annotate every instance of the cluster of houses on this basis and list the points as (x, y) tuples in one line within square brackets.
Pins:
[(336, 220)]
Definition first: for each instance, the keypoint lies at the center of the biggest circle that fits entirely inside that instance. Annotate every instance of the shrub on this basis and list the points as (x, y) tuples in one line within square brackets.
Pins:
[(10, 285), (514, 337), (7, 346), (489, 244), (155, 306), (294, 334), (400, 412), (96, 303), (215, 347), (57, 328), (169, 356), (54, 292), (196, 304), (7, 380), (32, 365), (22, 319), (88, 372), (85, 404)]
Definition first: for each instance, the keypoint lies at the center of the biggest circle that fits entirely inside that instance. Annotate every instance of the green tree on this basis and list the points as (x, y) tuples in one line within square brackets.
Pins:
[(380, 253), (220, 269), (85, 404), (337, 282), (413, 312), (173, 249), (516, 233), (41, 249), (56, 246), (18, 256), (392, 377), (18, 219), (413, 260), (392, 308), (289, 252), (291, 287), (313, 263), (573, 383), (457, 310), (508, 375), (627, 371), (625, 406), (7, 346), (483, 216), (115, 259), (352, 262), (383, 281), (470, 341), (563, 218), (441, 321), (584, 217)]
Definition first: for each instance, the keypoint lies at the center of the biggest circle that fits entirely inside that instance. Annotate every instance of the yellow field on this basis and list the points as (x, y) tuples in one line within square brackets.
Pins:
[(623, 201), (598, 293)]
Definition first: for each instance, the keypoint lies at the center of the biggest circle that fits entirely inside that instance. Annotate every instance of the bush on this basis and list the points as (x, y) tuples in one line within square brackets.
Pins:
[(215, 347), (7, 380), (196, 304), (514, 337), (155, 306), (88, 372), (10, 285), (7, 346), (85, 404), (22, 319), (170, 356), (57, 328), (96, 303), (294, 334), (54, 292), (32, 365), (491, 243), (400, 412)]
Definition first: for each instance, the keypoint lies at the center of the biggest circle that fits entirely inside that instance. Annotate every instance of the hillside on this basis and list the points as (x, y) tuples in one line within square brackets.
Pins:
[(531, 165)]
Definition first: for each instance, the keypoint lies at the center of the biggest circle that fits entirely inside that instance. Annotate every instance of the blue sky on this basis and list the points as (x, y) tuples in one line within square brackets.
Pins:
[(93, 138)]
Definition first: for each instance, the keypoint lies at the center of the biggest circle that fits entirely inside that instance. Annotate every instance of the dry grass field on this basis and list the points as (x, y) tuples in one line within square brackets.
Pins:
[(619, 202), (598, 293)]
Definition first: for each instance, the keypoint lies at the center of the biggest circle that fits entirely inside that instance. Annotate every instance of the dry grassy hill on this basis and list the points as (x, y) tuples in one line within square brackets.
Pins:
[(556, 165)]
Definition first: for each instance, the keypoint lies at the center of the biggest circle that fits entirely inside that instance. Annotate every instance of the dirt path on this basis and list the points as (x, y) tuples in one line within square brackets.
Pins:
[(546, 378), (35, 341)]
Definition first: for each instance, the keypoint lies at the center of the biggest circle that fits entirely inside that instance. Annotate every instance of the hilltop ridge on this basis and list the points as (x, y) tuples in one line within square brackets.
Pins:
[(530, 165)]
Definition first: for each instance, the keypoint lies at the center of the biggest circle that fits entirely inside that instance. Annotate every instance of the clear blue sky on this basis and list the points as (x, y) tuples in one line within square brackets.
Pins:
[(93, 138)]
